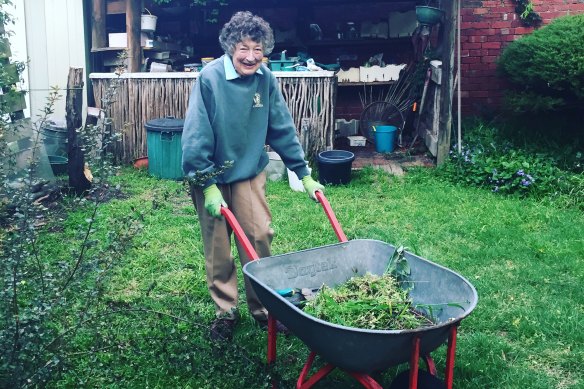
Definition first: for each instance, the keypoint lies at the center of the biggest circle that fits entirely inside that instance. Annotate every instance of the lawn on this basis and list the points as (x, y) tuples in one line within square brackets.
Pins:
[(525, 258)]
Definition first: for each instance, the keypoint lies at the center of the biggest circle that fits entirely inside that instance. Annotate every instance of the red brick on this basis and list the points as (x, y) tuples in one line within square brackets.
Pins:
[(523, 30), (471, 46), (471, 60), (480, 11), (475, 39), (495, 38), (478, 93), (504, 24), (491, 45)]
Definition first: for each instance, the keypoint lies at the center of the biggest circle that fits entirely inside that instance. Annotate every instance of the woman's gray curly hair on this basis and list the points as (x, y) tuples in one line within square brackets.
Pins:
[(244, 25)]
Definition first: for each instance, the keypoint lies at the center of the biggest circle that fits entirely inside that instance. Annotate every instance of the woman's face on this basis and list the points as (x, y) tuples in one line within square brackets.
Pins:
[(247, 57)]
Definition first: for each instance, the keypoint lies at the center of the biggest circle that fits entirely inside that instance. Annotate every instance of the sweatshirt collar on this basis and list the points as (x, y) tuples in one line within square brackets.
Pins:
[(230, 73)]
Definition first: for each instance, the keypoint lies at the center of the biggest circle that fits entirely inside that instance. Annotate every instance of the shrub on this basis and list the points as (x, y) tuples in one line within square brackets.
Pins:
[(547, 77), (489, 161), (548, 63)]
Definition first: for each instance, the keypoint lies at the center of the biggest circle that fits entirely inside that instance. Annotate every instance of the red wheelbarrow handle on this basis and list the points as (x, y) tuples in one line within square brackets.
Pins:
[(331, 216), (251, 253), (249, 248)]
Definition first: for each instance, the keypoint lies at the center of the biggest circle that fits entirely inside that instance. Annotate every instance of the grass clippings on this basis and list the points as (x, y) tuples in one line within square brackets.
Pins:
[(375, 302)]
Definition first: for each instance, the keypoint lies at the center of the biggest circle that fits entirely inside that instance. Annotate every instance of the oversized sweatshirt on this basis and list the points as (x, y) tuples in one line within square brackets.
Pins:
[(231, 118)]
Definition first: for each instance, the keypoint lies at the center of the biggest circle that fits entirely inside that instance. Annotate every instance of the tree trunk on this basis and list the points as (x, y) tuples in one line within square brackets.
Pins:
[(73, 107)]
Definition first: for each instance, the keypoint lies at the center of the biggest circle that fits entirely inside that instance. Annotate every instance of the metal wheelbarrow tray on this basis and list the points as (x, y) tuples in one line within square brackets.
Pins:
[(349, 348)]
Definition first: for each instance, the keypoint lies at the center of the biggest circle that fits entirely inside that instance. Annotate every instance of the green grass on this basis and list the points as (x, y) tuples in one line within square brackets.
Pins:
[(526, 260)]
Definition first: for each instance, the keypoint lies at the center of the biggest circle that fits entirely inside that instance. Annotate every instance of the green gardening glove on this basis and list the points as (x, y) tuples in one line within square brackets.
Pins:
[(214, 201), (311, 186)]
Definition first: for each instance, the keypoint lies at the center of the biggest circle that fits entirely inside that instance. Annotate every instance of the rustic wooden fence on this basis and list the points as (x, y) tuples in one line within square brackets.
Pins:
[(141, 97)]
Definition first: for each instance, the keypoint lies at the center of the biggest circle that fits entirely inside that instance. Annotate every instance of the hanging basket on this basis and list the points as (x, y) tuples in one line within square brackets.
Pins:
[(428, 15)]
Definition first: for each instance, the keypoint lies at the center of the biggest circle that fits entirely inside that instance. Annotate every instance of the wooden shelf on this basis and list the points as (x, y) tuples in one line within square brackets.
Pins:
[(365, 83), (357, 42)]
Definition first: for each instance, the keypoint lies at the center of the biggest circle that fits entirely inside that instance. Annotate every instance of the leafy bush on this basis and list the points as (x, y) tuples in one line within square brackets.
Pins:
[(489, 161), (546, 67), (49, 298)]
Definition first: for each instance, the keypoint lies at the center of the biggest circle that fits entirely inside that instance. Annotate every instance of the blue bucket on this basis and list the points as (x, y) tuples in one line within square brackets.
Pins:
[(384, 138)]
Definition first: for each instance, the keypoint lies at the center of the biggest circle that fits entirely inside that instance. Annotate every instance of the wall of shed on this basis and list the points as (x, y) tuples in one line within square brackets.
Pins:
[(54, 42), (486, 28)]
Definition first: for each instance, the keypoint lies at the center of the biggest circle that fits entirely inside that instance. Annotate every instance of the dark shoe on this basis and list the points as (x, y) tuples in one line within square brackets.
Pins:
[(222, 330), (280, 328)]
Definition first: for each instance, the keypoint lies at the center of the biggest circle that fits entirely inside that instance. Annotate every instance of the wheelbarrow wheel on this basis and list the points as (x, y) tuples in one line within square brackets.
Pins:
[(425, 381)]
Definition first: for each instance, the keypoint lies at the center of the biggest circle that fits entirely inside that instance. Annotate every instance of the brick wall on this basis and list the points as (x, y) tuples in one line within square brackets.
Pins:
[(486, 28)]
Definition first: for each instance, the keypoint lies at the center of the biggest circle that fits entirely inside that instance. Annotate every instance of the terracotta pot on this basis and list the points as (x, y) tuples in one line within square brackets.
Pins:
[(141, 163)]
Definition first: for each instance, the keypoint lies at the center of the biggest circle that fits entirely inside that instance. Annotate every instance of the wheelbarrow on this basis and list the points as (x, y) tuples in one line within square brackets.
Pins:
[(359, 352)]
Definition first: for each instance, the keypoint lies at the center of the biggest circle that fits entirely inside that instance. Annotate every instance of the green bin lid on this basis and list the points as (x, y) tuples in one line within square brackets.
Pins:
[(167, 124)]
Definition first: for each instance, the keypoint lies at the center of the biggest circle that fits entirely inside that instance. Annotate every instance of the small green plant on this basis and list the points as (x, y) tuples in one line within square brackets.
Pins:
[(200, 178), (527, 14)]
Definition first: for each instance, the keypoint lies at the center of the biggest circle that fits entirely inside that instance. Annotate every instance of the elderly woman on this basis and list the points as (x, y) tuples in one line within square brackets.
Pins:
[(235, 108)]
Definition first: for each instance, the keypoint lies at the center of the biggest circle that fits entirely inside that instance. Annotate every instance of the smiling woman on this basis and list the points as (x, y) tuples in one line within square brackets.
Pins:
[(247, 57)]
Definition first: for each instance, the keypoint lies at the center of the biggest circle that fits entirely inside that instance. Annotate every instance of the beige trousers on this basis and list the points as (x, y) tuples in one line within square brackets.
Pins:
[(247, 200)]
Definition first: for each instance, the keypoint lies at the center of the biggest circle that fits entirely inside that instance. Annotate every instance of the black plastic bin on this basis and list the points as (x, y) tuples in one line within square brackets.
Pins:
[(334, 166)]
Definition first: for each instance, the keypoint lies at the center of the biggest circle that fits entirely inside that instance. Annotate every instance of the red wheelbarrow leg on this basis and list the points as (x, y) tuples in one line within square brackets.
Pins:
[(365, 380), (414, 363), (450, 351), (302, 382)]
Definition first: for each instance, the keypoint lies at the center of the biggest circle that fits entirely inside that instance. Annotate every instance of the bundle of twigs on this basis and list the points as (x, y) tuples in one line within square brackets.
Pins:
[(399, 93)]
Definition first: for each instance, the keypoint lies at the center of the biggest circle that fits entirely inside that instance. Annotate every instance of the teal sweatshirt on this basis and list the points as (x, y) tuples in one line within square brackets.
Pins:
[(231, 118)]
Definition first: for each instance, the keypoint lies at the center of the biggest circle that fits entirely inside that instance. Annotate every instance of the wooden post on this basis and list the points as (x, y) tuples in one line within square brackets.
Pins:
[(446, 91), (73, 107), (98, 31), (134, 30)]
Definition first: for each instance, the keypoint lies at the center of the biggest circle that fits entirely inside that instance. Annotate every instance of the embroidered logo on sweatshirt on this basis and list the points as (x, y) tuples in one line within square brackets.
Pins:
[(257, 101)]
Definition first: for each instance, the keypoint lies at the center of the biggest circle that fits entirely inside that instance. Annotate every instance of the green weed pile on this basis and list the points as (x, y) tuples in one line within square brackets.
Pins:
[(369, 302)]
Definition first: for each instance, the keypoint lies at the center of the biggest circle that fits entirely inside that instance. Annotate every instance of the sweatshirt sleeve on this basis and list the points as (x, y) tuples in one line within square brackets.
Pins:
[(282, 135), (198, 138)]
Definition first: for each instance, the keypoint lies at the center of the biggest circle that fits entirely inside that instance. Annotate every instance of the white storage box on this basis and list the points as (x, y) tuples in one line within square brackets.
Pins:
[(118, 39), (351, 75), (347, 127), (379, 74), (357, 140)]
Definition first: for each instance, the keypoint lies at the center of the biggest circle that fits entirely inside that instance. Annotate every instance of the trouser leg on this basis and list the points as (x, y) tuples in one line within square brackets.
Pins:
[(248, 203), (219, 264), (246, 199)]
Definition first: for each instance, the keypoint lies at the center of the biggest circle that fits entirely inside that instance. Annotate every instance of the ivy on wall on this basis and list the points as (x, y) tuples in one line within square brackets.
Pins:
[(528, 16)]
